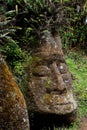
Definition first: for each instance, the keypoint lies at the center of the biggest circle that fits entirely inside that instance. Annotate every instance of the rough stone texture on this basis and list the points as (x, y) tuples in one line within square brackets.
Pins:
[(13, 110), (50, 87)]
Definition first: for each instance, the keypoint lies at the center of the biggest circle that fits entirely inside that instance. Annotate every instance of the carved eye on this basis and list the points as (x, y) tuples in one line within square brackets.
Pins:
[(66, 80), (63, 68), (41, 71)]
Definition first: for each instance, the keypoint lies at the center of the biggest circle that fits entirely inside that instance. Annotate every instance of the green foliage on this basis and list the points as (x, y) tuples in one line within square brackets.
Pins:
[(4, 28), (85, 6), (14, 56), (13, 51), (9, 47), (18, 68), (74, 35), (39, 15)]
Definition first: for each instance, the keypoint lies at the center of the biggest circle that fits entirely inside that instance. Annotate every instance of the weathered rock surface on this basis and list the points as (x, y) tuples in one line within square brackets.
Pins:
[(13, 110), (50, 83)]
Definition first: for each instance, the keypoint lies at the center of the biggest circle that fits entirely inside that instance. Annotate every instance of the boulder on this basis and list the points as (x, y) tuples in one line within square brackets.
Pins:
[(50, 88), (13, 109)]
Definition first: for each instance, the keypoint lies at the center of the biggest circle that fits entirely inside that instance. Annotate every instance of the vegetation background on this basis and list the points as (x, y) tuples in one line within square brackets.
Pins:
[(21, 24)]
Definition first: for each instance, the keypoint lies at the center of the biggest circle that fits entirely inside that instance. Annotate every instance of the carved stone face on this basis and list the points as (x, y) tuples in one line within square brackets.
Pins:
[(50, 83)]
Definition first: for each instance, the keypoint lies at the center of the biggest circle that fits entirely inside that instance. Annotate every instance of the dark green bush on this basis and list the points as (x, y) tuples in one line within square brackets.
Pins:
[(14, 56), (13, 51)]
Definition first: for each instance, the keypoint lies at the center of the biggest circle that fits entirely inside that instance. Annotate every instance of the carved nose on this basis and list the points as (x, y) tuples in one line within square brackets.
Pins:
[(60, 85)]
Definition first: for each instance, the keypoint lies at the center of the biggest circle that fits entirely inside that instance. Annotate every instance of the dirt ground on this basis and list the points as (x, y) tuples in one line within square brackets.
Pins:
[(83, 125)]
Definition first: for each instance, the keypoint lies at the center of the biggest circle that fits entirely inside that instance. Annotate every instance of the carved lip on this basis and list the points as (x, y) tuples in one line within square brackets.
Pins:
[(64, 108), (61, 99), (60, 109), (56, 99), (58, 92)]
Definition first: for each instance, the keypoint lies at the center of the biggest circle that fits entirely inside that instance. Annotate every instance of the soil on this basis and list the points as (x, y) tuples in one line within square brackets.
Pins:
[(83, 125)]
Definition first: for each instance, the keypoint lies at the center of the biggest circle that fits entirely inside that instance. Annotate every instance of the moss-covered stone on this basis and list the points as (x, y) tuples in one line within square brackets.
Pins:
[(13, 110)]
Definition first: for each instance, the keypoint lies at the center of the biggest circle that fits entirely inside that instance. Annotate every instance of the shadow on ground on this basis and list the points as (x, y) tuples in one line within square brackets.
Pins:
[(49, 122)]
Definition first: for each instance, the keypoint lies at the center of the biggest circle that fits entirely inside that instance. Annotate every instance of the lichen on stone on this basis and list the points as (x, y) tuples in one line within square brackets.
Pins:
[(13, 108)]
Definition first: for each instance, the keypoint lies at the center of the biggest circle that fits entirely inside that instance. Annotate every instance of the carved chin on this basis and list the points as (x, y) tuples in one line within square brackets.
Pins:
[(58, 104)]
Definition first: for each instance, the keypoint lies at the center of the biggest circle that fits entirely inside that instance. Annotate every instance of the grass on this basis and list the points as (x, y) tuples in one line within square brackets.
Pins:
[(77, 64)]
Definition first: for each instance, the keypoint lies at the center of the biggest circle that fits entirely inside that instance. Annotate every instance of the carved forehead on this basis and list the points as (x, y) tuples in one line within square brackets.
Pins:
[(49, 45), (48, 49), (42, 60)]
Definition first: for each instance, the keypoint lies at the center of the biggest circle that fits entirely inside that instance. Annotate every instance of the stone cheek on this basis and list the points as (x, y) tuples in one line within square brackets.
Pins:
[(13, 110), (67, 80)]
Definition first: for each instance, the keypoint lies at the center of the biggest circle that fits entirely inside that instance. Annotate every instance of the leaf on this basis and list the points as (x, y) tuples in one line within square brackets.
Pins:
[(11, 13), (4, 22)]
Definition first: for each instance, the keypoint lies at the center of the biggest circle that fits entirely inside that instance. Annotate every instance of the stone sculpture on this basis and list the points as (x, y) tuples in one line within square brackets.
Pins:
[(50, 89), (13, 110)]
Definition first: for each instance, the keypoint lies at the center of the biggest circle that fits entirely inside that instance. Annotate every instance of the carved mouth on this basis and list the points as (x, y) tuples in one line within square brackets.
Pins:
[(62, 99), (56, 91), (54, 99), (60, 106)]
